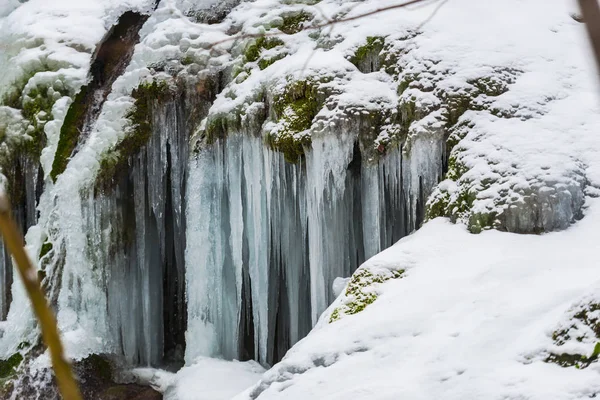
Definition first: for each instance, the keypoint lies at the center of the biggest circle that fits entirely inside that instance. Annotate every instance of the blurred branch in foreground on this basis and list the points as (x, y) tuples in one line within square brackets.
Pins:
[(591, 16), (14, 243)]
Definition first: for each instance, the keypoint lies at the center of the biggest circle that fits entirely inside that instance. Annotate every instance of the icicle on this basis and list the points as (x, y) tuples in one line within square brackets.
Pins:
[(267, 239), (330, 209)]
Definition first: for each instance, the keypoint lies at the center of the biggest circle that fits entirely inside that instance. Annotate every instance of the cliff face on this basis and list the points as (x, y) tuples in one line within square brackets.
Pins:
[(193, 176)]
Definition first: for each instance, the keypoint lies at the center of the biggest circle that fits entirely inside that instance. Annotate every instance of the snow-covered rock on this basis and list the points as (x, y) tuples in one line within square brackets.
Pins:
[(249, 155)]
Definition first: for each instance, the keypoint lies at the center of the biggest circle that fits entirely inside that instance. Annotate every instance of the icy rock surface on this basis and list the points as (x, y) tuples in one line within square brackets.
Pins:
[(320, 149)]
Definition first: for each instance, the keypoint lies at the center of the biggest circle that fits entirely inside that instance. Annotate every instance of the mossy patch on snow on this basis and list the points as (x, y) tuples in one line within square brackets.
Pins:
[(257, 51), (37, 109), (266, 62), (360, 291), (294, 22), (584, 328)]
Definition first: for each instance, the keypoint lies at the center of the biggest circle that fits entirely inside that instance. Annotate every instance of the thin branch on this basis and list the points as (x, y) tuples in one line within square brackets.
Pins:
[(433, 14), (323, 25), (14, 243), (591, 17)]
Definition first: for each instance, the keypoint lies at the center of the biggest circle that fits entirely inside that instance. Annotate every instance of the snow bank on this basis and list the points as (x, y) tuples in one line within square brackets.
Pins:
[(212, 379), (472, 318)]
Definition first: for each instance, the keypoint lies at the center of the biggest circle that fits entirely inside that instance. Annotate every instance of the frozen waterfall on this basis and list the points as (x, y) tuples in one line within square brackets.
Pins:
[(266, 238), (231, 252)]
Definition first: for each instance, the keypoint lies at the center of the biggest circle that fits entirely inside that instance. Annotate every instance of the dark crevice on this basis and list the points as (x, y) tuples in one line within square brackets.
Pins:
[(174, 308), (246, 349), (421, 199), (112, 56)]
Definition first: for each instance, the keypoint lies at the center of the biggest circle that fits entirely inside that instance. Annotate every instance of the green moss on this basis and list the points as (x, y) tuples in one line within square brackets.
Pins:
[(265, 62), (140, 117), (456, 104), (291, 146), (406, 82), (69, 133), (479, 222), (23, 345), (457, 133), (187, 59), (456, 169), (217, 125), (569, 360), (367, 57), (46, 248), (335, 315), (254, 49), (437, 206), (596, 351), (36, 108), (9, 366), (295, 110), (408, 114), (490, 85), (360, 292), (294, 22), (298, 104), (562, 336)]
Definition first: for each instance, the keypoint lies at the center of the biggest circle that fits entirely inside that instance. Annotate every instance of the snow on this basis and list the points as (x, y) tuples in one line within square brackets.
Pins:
[(472, 318), (212, 379)]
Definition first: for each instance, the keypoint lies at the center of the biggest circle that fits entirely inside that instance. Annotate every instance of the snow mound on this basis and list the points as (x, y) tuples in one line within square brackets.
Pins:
[(212, 379), (473, 317)]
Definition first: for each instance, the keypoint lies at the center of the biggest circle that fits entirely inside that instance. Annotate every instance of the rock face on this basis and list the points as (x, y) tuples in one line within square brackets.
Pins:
[(198, 193), (96, 376)]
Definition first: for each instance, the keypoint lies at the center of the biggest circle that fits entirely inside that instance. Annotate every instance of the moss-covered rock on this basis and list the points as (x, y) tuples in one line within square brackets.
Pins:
[(294, 22), (367, 58), (97, 373), (45, 249), (248, 117), (69, 133), (583, 328), (34, 101), (295, 109), (255, 47), (95, 365), (138, 134), (456, 197), (8, 367), (361, 291), (266, 62)]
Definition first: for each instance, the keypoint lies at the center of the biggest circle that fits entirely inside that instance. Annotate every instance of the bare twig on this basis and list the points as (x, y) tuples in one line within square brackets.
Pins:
[(433, 14), (14, 243), (323, 25), (591, 17)]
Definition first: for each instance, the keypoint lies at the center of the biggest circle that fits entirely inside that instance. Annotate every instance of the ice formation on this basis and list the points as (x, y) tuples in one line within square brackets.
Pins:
[(267, 239), (215, 189)]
